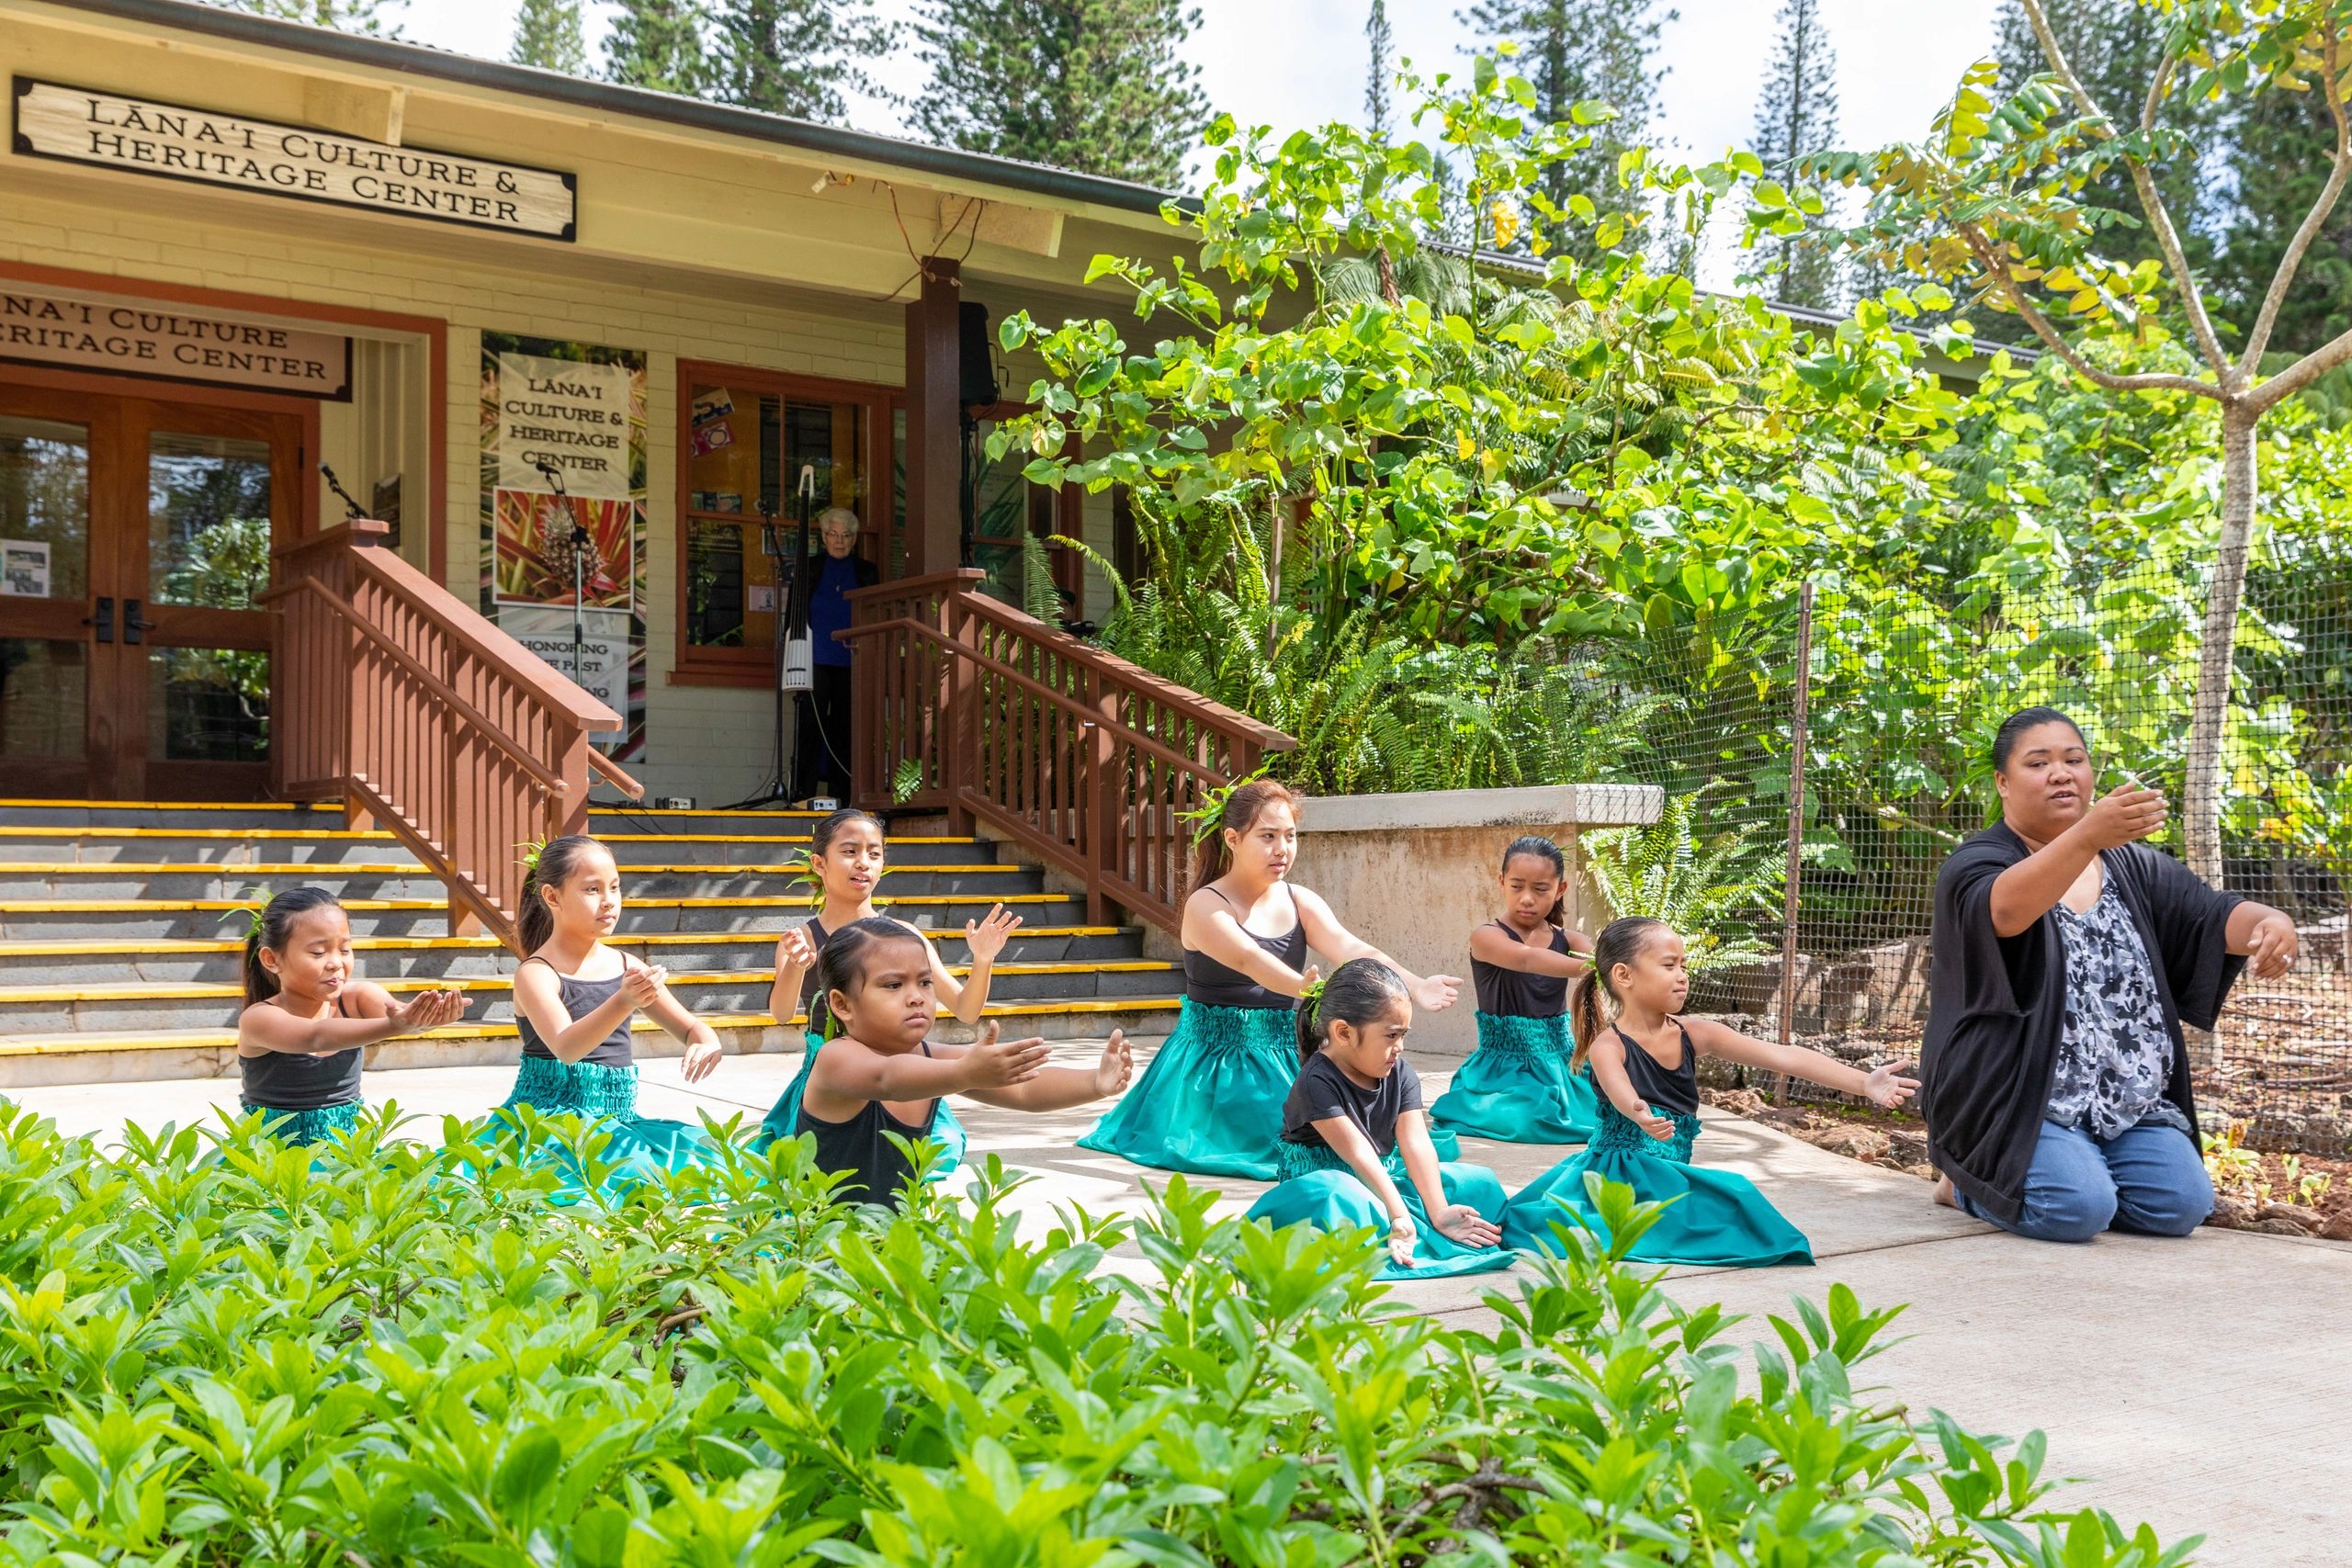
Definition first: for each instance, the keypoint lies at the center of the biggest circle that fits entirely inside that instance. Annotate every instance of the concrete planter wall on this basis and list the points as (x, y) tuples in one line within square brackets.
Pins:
[(1414, 874)]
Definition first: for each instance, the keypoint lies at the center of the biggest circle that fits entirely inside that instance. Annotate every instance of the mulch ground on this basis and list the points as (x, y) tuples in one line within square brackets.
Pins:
[(2273, 1194)]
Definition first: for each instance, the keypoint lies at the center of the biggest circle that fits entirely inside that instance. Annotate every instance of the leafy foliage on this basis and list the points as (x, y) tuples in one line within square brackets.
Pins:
[(389, 1354), (1706, 885)]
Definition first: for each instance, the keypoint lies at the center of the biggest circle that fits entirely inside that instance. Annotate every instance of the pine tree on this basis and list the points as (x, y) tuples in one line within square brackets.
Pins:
[(550, 34), (375, 16), (1796, 116), (1381, 79), (1571, 50), (801, 57), (2278, 163), (657, 44), (1096, 85)]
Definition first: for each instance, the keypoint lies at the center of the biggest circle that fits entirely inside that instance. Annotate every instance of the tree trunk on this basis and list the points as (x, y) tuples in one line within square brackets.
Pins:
[(2202, 804)]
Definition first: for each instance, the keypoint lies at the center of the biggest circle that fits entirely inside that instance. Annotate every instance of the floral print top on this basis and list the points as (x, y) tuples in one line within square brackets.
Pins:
[(2115, 1055)]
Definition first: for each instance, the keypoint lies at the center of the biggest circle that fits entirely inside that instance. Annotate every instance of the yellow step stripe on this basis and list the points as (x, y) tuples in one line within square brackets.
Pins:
[(216, 1039), (335, 807), (351, 835), (200, 906), (136, 946), (204, 990), (411, 868)]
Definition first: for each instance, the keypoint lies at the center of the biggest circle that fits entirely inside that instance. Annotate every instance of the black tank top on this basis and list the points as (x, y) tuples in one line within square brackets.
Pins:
[(1213, 983), (1521, 993), (818, 937), (876, 1167), (1677, 1089), (289, 1080), (581, 998)]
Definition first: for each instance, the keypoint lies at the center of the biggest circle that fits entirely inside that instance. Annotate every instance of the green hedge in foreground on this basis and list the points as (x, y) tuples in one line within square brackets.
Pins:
[(217, 1353)]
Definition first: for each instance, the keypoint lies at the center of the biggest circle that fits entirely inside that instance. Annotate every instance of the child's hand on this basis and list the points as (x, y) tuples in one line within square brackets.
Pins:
[(1883, 1087), (1657, 1126), (701, 1057), (1117, 1066), (1401, 1236), (1001, 1063), (641, 983), (1466, 1225), (985, 939), (796, 949), (426, 1009), (1436, 991)]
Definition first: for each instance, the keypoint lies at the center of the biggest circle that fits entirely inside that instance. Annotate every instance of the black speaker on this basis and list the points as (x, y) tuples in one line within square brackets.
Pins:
[(976, 382)]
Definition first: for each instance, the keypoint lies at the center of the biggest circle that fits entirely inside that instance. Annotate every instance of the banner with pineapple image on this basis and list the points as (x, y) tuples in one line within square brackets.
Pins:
[(563, 512)]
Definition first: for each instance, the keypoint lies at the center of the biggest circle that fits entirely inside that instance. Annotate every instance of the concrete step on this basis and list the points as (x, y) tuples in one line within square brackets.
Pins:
[(76, 1058), (431, 957), (270, 815), (298, 846), (172, 1004), (204, 919), (391, 879)]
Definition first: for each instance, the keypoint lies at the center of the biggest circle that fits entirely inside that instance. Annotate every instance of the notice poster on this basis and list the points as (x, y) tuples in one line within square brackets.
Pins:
[(24, 568), (563, 511)]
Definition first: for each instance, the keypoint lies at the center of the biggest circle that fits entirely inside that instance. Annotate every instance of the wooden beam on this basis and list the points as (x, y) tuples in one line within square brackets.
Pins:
[(934, 528)]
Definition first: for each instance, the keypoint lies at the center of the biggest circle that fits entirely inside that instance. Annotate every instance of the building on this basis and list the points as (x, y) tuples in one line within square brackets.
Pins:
[(235, 249)]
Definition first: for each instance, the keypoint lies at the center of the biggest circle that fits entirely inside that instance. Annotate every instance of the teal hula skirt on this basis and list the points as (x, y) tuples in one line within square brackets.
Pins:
[(1717, 1217), (315, 1126), (1318, 1189), (1211, 1102), (637, 1148), (1517, 1087), (784, 1116)]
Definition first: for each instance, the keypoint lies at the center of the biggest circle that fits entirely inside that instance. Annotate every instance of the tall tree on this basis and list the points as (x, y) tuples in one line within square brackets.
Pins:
[(1380, 81), (1572, 51), (550, 34), (2002, 195), (657, 44), (1796, 117), (1097, 85), (2279, 166), (801, 57), (377, 16)]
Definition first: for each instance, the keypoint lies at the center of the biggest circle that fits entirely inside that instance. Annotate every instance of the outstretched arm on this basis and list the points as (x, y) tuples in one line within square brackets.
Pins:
[(1058, 1088), (1883, 1086), (1608, 1059), (679, 1022), (983, 939), (847, 1074), (1324, 934), (265, 1027), (540, 998), (1210, 927), (1491, 945), (2028, 890), (2264, 936)]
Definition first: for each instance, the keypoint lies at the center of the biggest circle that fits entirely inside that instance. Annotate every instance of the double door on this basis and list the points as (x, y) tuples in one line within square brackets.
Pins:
[(135, 540)]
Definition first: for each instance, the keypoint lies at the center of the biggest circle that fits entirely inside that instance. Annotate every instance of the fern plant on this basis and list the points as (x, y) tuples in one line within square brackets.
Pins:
[(1706, 888)]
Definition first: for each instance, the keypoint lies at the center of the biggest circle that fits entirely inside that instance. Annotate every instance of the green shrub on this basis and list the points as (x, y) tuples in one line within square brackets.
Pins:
[(227, 1354)]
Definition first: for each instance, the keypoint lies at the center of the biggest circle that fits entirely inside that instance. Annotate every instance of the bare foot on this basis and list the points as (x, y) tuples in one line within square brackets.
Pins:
[(1943, 1192)]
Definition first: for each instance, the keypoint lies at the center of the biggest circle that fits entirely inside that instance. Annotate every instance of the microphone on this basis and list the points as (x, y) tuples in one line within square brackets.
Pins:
[(549, 472)]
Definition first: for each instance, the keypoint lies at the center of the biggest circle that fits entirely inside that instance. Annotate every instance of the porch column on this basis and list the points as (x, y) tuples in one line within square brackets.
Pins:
[(933, 389)]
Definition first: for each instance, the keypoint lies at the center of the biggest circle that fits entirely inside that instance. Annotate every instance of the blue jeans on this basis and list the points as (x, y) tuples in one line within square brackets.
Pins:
[(2149, 1179)]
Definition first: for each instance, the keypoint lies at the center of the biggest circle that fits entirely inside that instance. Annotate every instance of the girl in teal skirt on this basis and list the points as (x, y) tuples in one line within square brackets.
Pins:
[(877, 1088), (1210, 1101), (574, 998), (1355, 1152), (1645, 1064), (1518, 1085), (308, 1021), (846, 852)]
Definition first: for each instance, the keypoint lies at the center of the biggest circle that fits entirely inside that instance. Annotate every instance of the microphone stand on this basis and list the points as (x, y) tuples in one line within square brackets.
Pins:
[(789, 611)]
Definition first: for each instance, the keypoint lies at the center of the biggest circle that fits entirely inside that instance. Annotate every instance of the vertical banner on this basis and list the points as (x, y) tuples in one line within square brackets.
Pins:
[(563, 514)]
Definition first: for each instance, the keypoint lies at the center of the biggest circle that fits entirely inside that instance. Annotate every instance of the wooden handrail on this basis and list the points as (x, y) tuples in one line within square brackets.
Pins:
[(393, 694), (968, 706)]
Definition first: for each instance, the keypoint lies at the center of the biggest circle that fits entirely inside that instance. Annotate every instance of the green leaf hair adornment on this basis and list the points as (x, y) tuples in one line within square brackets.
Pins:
[(804, 875), (529, 861), (252, 914), (1209, 815), (1310, 996)]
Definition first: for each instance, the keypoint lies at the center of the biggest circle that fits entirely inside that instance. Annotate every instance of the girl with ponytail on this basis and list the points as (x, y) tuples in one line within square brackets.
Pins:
[(1518, 1085), (846, 852), (574, 1000), (1355, 1151), (1211, 1102), (877, 1087), (1643, 1054), (308, 1019)]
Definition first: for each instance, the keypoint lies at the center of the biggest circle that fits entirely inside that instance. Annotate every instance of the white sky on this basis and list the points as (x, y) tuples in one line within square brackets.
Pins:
[(1294, 62)]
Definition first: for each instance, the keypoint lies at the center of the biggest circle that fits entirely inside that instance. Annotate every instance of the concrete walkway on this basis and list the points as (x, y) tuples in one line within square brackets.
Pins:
[(2204, 1385)]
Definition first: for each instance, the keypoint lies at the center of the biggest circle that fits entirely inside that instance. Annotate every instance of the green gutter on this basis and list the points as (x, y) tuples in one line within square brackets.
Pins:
[(605, 98)]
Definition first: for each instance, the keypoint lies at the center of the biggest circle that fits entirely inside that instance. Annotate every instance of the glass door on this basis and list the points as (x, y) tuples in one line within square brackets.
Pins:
[(135, 538)]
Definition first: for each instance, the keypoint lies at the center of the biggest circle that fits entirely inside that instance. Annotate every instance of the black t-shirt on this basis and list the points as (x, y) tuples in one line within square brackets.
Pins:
[(1323, 1091)]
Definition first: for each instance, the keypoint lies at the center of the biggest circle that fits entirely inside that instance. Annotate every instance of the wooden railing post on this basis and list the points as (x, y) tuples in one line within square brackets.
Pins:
[(960, 679), (1106, 805)]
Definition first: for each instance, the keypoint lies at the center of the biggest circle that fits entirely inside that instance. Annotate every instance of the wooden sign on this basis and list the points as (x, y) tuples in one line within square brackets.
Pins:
[(178, 342), (142, 136)]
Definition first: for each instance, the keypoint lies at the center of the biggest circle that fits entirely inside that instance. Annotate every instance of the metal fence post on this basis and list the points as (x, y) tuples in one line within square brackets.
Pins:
[(1792, 900)]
